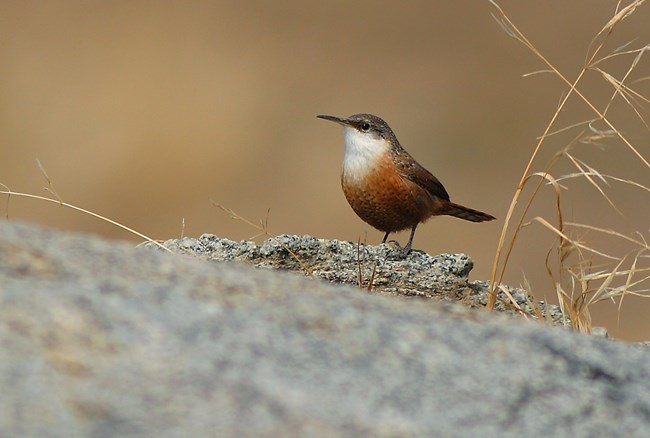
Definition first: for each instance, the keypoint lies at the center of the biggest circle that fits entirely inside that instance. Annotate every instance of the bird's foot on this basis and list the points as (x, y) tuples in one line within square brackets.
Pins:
[(399, 253)]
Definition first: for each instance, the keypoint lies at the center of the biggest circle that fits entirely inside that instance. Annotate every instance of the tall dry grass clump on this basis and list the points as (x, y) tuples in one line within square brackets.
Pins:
[(611, 264)]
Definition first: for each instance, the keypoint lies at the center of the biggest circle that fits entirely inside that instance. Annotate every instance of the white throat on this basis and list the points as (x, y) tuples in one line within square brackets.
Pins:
[(363, 151)]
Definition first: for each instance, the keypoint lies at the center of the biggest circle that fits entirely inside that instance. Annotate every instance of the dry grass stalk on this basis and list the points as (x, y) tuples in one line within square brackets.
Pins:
[(263, 228), (10, 193), (50, 189), (578, 282)]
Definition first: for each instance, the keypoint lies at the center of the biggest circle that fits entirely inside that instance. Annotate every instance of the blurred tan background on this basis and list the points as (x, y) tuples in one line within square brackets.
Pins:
[(143, 111)]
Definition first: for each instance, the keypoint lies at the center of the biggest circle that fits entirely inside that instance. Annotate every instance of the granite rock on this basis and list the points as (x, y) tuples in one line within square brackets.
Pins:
[(102, 339), (379, 269)]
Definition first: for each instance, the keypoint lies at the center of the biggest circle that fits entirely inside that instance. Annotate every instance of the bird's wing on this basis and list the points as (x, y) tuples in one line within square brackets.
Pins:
[(410, 169)]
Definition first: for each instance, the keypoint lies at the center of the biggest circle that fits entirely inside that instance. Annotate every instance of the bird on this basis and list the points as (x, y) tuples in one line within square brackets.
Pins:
[(384, 184)]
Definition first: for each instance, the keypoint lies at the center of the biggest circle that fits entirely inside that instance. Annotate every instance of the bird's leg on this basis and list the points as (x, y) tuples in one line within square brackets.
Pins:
[(407, 248), (402, 253), (385, 237)]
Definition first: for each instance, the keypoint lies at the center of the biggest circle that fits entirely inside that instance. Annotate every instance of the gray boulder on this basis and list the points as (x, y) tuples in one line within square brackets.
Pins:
[(101, 339)]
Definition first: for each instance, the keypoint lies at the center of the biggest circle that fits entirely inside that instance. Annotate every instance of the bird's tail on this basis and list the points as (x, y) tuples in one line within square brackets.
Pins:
[(466, 213)]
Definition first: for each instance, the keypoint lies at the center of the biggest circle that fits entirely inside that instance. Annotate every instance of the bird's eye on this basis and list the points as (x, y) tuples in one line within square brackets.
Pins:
[(365, 126)]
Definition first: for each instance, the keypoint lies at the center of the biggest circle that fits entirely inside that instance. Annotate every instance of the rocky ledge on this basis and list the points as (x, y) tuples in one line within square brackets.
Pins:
[(380, 269)]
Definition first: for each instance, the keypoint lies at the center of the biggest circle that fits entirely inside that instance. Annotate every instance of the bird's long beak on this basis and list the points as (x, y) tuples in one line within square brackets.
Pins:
[(339, 120)]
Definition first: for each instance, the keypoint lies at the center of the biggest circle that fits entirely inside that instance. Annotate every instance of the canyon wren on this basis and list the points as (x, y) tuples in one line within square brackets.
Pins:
[(385, 186)]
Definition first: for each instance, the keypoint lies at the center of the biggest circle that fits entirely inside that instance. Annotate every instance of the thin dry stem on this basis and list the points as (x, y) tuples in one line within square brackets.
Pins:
[(372, 277), (50, 186), (7, 191), (359, 275), (575, 307), (263, 228), (604, 176), (74, 207)]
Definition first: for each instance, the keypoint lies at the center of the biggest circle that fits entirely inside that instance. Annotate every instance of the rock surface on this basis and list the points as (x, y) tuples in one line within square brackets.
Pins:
[(377, 268), (101, 339)]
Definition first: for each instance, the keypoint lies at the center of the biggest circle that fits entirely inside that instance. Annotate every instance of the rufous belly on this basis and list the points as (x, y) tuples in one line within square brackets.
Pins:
[(385, 200)]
